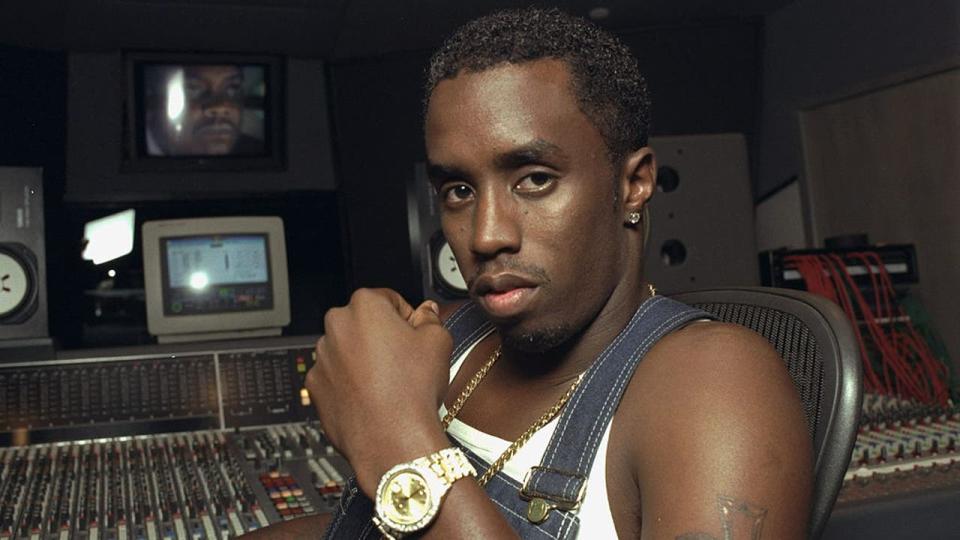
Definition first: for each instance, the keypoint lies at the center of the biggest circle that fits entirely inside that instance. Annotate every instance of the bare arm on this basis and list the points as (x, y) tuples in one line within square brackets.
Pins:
[(725, 452)]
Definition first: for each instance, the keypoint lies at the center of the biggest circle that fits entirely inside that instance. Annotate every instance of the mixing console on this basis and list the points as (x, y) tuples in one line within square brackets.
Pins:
[(903, 448), (211, 441), (202, 484), (904, 475), (150, 392), (165, 442)]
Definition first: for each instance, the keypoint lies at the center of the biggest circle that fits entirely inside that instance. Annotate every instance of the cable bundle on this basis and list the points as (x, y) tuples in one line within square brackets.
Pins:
[(897, 361)]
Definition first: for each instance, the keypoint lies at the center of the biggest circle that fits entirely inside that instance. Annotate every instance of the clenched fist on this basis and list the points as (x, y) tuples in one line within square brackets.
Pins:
[(381, 373)]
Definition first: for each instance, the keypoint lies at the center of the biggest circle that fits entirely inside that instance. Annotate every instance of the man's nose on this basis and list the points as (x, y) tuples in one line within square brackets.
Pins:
[(496, 228), (218, 107)]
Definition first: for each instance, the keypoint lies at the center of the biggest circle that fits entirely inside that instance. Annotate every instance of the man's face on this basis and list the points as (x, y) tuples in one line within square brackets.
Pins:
[(526, 191), (209, 120)]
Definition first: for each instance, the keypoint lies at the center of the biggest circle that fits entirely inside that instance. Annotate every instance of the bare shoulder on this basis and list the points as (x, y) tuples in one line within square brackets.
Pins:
[(705, 343), (721, 421), (711, 371), (716, 359)]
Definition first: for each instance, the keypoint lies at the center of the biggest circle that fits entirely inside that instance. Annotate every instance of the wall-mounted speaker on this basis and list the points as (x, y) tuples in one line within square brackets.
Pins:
[(440, 276), (702, 228), (23, 275)]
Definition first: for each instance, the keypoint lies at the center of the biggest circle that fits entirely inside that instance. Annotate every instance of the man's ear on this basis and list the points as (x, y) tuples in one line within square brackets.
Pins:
[(639, 179)]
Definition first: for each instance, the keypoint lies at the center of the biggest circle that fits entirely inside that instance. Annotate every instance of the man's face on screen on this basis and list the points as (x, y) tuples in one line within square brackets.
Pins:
[(206, 121)]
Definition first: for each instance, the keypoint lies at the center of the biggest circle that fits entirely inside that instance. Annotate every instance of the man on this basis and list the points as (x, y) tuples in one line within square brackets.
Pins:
[(197, 110), (536, 128)]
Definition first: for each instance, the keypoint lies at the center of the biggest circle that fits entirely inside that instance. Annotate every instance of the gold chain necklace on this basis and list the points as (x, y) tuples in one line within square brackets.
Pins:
[(511, 450)]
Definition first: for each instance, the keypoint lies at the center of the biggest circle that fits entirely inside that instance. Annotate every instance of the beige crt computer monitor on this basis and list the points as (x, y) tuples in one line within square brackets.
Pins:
[(215, 278)]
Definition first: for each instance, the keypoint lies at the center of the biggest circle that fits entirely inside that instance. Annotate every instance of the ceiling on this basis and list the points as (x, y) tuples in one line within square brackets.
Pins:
[(329, 29)]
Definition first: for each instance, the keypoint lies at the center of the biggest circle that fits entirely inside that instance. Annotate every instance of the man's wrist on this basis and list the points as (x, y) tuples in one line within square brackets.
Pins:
[(390, 452)]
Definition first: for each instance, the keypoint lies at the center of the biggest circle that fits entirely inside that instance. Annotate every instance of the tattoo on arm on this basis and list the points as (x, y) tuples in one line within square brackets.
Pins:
[(740, 520)]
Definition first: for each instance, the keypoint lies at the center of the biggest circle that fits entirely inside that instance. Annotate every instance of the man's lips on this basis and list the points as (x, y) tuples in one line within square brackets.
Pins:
[(500, 283), (504, 295), (216, 129)]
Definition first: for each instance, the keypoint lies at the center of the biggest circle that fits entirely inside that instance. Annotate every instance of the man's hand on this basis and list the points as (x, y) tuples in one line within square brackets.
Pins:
[(381, 373)]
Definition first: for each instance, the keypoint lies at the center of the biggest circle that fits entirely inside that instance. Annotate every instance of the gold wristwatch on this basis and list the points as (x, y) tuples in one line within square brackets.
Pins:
[(409, 495)]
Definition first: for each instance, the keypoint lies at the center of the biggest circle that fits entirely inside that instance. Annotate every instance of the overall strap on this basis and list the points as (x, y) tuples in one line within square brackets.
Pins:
[(466, 325), (560, 479)]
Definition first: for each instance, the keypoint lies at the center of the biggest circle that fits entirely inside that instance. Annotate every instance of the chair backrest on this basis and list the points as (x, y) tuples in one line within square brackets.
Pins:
[(816, 341)]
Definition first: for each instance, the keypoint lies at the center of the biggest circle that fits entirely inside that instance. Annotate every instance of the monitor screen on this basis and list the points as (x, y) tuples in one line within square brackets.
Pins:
[(215, 278), (204, 110), (216, 274)]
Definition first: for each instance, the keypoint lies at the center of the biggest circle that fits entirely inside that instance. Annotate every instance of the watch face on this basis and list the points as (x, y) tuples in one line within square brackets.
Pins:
[(405, 499)]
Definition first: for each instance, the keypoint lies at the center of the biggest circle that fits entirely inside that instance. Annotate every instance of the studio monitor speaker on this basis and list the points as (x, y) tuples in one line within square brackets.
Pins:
[(23, 276), (702, 228)]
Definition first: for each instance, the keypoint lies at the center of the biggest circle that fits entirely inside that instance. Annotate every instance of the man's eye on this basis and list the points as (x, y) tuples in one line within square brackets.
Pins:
[(456, 193), (535, 182), (232, 91), (195, 90)]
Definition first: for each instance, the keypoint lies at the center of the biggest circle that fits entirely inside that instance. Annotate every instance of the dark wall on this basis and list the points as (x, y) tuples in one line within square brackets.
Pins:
[(704, 79), (32, 107), (379, 139)]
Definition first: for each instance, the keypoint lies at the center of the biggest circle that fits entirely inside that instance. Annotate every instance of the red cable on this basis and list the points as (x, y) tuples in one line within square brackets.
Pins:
[(891, 385), (819, 279), (933, 369)]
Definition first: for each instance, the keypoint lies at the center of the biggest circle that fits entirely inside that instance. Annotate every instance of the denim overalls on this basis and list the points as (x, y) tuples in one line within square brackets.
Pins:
[(559, 482)]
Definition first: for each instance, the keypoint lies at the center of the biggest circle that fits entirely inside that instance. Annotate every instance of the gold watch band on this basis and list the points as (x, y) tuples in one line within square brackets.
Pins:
[(449, 464)]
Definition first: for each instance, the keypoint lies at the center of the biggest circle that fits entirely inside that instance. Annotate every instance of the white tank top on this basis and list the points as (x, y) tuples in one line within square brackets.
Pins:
[(596, 520)]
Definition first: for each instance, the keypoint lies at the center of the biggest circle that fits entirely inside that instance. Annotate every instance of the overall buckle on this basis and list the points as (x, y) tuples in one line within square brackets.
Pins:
[(542, 502)]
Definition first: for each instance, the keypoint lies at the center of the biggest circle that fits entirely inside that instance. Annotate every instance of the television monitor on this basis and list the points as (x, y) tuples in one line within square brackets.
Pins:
[(215, 278), (189, 112)]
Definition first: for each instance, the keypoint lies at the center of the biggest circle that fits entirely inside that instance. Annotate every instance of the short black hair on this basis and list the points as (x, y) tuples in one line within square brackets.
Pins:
[(607, 82)]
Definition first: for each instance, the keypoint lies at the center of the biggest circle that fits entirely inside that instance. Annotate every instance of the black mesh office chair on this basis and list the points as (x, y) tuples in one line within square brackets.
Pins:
[(815, 340)]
